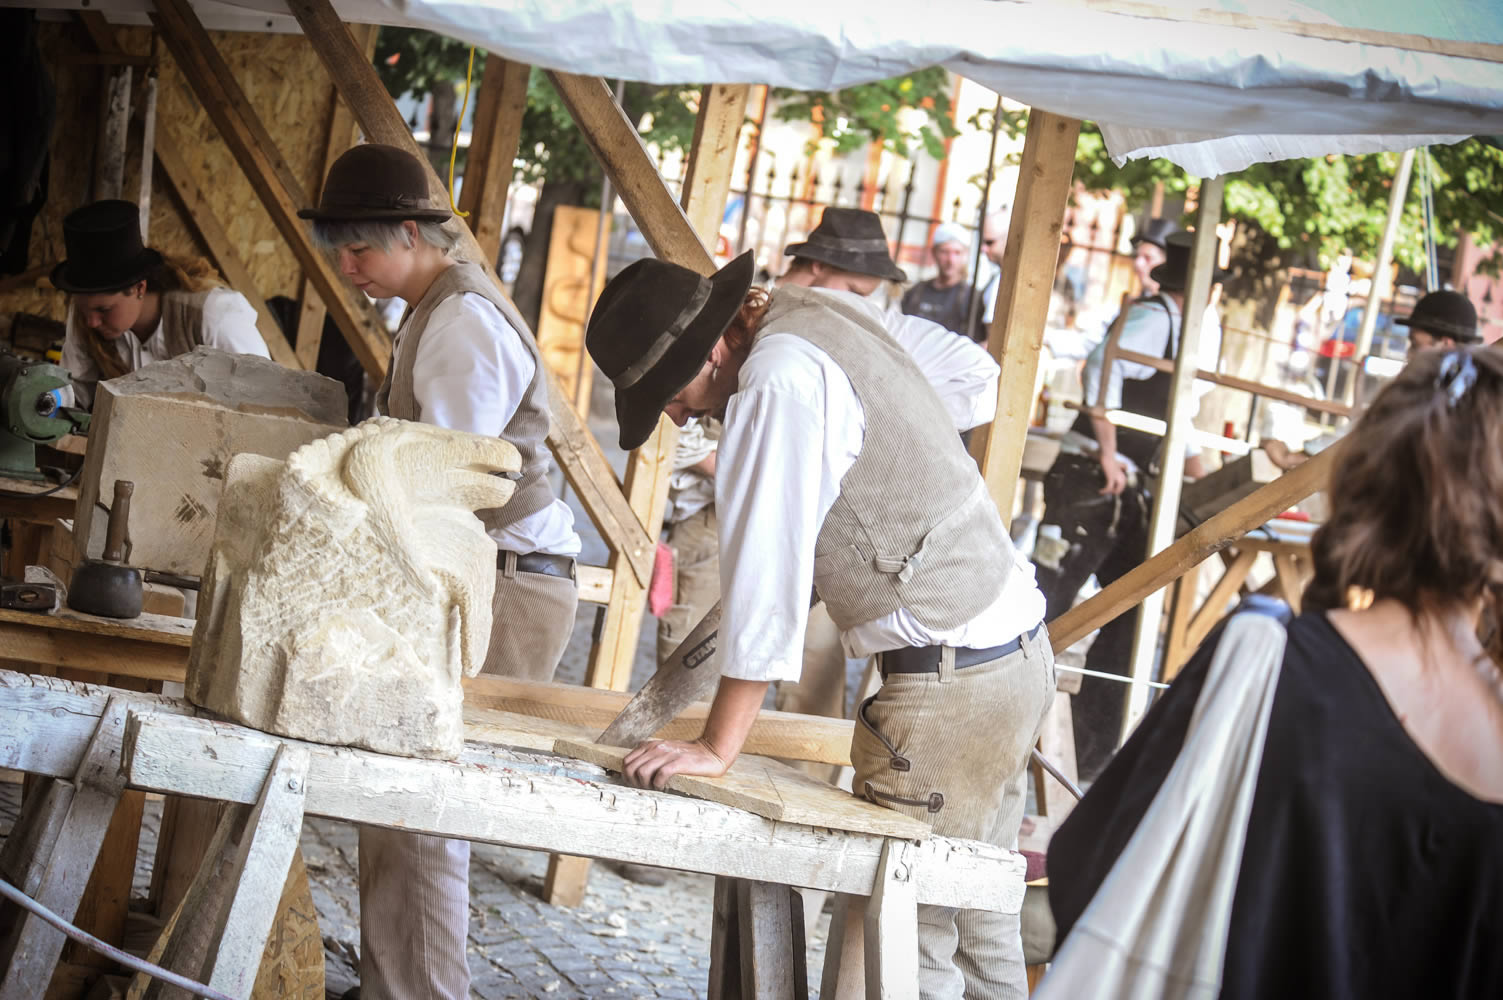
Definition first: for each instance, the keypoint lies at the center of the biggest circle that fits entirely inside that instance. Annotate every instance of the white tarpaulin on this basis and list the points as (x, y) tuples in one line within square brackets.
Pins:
[(1178, 79)]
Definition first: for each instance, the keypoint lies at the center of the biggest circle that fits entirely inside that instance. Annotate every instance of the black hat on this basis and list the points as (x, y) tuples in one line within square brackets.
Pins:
[(852, 240), (377, 183), (105, 254), (1445, 314), (1155, 231), (1174, 272), (652, 329)]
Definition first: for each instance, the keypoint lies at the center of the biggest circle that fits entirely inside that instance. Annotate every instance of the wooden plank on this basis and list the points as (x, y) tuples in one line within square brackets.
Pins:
[(594, 583), (772, 941), (725, 941), (28, 846), (1291, 580), (892, 928), (33, 948), (844, 975), (48, 722), (579, 456), (268, 172), (575, 259), (1245, 385), (1017, 329), (340, 136), (620, 151), (774, 734), (1181, 612), (772, 789), (1191, 549), (1057, 742), (1215, 605), (505, 797), (712, 155), (495, 136)]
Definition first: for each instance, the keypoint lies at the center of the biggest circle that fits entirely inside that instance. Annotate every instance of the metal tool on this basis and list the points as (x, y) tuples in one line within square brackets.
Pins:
[(107, 587), (32, 413), (688, 675)]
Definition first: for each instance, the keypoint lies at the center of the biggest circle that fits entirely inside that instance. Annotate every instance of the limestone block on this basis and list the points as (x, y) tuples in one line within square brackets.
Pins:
[(349, 587), (172, 427)]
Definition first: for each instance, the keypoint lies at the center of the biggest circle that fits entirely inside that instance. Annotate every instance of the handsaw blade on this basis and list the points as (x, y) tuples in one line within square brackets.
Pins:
[(688, 675)]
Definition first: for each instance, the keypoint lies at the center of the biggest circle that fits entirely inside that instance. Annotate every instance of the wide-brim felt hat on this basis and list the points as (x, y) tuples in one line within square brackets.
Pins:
[(1444, 314), (376, 183), (1155, 231), (1174, 272), (652, 329), (852, 240), (105, 253)]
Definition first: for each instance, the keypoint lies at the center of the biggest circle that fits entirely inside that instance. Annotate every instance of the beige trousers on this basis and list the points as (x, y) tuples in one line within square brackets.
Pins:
[(415, 889), (952, 749)]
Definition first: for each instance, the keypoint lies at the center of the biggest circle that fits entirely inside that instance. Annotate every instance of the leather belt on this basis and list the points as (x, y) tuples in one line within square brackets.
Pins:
[(925, 659), (542, 563)]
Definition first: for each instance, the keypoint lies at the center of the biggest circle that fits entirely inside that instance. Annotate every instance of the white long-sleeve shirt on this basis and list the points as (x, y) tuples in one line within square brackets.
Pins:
[(792, 432), (229, 325), (470, 374)]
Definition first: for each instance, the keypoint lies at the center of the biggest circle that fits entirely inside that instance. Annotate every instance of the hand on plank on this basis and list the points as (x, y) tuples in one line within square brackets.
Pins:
[(654, 762)]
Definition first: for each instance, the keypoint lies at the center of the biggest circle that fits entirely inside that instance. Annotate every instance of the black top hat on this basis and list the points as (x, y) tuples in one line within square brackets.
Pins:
[(376, 183), (653, 326), (105, 254), (852, 240), (1155, 231), (1445, 314), (1172, 274)]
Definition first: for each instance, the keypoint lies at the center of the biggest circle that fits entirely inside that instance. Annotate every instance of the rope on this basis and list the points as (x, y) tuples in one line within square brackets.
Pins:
[(454, 146), (126, 959)]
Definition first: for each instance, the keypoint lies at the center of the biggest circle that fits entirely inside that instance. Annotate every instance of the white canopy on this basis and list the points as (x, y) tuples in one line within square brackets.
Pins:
[(1201, 82)]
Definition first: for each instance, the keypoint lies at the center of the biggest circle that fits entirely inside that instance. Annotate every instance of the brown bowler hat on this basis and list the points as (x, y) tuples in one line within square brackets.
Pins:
[(1444, 314), (852, 240), (376, 183), (652, 329)]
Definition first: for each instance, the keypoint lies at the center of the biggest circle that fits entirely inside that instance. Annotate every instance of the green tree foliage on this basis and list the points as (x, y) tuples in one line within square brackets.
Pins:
[(873, 112)]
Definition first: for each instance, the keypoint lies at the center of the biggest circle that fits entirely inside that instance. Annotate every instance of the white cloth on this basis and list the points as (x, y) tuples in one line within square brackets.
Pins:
[(470, 374), (229, 325), (1146, 330), (792, 431), (690, 491), (1157, 927)]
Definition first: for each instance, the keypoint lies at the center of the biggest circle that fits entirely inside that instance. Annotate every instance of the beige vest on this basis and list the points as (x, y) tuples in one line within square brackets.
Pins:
[(528, 427), (183, 321), (914, 526)]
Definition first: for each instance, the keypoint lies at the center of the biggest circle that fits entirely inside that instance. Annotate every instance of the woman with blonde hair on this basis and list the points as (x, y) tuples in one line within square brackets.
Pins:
[(1370, 861), (132, 305)]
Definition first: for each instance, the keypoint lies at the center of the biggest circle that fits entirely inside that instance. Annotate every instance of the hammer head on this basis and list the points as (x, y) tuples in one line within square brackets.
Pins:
[(106, 589)]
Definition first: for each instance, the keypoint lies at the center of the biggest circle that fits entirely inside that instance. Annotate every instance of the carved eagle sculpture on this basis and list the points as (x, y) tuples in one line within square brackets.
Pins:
[(349, 587)]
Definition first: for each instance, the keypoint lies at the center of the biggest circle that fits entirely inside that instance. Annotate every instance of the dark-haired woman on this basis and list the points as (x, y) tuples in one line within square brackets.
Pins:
[(1373, 859), (132, 305)]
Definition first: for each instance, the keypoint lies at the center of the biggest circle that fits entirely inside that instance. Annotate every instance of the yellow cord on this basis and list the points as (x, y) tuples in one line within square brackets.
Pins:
[(454, 146)]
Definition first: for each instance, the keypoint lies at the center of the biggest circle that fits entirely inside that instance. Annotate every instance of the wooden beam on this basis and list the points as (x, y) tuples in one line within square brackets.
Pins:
[(712, 156), (579, 456), (281, 194), (340, 136), (1186, 553), (1232, 382), (620, 151), (495, 136), (1017, 330)]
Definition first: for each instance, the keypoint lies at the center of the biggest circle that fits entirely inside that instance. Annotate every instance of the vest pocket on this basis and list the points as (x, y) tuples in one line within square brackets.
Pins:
[(836, 561)]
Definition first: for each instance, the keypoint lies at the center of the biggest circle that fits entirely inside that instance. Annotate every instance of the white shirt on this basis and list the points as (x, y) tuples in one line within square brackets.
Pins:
[(689, 490), (1146, 330), (229, 325), (470, 374), (792, 432)]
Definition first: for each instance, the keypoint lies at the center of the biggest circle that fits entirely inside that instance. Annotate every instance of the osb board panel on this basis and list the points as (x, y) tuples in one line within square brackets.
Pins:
[(770, 789), (285, 82)]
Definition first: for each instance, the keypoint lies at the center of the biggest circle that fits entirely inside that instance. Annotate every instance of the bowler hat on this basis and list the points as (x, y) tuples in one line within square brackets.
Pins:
[(105, 254), (1174, 272), (1155, 231), (1444, 314), (852, 240), (652, 329), (376, 183)]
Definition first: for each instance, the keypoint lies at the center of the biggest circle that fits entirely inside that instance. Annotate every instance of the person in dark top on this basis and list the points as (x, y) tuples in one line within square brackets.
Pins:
[(946, 298), (1373, 862)]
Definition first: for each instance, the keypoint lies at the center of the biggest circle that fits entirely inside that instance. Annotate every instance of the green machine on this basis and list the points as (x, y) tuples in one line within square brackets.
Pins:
[(32, 413)]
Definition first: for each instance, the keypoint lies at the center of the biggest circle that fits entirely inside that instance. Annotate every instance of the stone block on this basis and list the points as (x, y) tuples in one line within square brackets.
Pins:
[(349, 587), (172, 427)]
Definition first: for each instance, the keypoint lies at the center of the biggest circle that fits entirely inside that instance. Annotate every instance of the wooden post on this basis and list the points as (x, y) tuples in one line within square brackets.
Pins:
[(109, 165), (892, 927), (771, 922), (1017, 330), (717, 136), (493, 150), (1396, 198), (1164, 518), (341, 135), (583, 463)]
